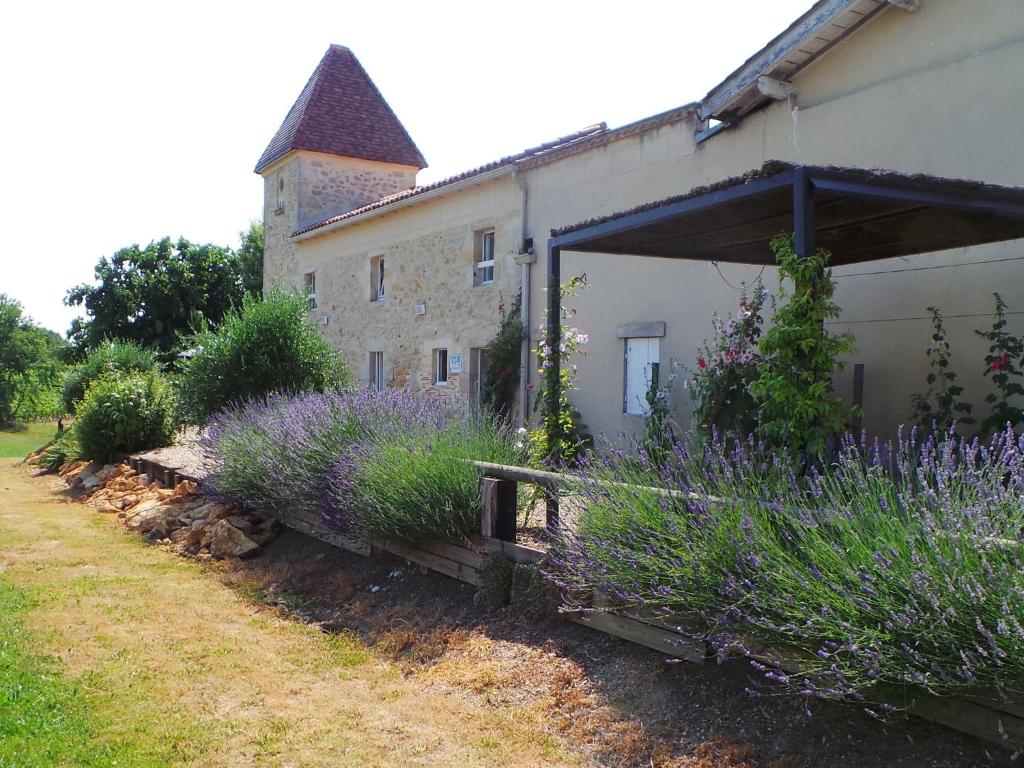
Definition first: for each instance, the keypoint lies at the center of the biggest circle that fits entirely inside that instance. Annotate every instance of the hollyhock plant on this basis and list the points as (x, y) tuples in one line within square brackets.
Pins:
[(726, 364), (897, 571)]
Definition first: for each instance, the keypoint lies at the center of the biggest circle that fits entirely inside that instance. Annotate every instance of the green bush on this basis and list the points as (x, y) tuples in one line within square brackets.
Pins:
[(108, 357), (265, 347), (125, 413)]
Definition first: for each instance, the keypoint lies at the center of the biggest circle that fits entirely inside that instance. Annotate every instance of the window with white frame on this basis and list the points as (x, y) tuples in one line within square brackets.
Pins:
[(441, 367), (377, 371), (309, 288), (377, 278), (641, 362), (483, 257)]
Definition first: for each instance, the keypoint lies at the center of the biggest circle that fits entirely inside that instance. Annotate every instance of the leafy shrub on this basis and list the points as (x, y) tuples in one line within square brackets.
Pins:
[(109, 357), (726, 365), (793, 387), (417, 486), (267, 346), (124, 413), (902, 565), (64, 448)]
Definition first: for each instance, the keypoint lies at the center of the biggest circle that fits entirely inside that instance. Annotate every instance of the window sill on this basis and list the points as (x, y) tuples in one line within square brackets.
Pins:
[(440, 383)]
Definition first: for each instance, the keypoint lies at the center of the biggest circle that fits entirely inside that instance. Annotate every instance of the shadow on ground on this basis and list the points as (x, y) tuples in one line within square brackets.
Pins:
[(625, 703)]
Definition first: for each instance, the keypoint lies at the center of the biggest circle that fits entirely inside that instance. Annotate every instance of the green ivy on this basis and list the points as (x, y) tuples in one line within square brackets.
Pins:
[(501, 378)]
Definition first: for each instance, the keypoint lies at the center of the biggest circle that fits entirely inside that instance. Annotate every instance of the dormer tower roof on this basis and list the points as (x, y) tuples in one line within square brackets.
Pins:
[(341, 112)]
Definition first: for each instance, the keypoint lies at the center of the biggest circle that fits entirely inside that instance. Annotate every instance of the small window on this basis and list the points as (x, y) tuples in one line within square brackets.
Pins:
[(377, 278), (377, 371), (483, 257), (641, 367), (309, 288), (279, 206), (441, 367)]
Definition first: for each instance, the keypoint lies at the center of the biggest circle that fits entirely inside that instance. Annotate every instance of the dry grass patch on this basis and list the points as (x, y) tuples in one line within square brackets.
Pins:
[(160, 648)]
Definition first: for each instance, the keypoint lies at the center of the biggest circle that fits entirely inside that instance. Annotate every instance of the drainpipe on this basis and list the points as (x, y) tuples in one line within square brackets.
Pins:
[(524, 259)]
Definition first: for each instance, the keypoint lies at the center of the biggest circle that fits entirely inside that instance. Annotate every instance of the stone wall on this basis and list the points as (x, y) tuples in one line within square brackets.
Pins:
[(428, 252), (311, 187)]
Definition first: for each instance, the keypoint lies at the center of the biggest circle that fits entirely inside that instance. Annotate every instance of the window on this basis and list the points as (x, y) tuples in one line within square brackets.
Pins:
[(441, 367), (483, 257), (477, 374), (641, 365), (309, 288), (279, 206), (377, 371), (377, 278)]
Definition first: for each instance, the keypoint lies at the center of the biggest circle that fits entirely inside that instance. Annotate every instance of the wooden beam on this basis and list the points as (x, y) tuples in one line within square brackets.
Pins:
[(498, 508), (670, 643)]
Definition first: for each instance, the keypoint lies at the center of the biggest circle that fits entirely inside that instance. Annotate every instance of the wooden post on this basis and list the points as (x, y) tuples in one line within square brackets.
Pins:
[(168, 478), (498, 508)]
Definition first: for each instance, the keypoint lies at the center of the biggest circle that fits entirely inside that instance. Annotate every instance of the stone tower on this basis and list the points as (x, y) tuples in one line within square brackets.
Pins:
[(339, 148)]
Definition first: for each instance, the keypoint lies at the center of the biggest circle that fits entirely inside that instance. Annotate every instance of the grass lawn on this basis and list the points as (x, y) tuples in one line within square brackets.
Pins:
[(26, 438), (114, 652)]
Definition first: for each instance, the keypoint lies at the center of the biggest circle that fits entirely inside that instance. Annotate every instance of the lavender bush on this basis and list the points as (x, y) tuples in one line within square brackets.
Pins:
[(273, 453), (418, 485), (898, 570), (369, 464)]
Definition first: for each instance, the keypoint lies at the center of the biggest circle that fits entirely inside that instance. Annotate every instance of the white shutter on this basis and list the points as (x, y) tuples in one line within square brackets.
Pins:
[(640, 354)]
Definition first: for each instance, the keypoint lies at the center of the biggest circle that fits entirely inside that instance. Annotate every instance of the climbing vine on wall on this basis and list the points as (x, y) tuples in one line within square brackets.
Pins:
[(501, 376)]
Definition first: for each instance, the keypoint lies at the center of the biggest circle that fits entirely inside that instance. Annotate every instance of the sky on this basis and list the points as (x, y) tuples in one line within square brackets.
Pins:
[(125, 122)]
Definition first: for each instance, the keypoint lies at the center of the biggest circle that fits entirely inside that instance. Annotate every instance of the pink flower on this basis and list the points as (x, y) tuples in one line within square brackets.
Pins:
[(1000, 362), (702, 363)]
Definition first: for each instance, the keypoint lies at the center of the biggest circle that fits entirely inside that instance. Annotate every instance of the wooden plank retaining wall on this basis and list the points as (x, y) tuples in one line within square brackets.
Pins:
[(986, 718)]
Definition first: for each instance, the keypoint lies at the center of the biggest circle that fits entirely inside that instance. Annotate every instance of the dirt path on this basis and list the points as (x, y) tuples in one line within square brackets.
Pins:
[(161, 648)]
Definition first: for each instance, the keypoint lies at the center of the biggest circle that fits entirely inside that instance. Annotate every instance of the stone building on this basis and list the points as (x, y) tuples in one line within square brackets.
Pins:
[(912, 86)]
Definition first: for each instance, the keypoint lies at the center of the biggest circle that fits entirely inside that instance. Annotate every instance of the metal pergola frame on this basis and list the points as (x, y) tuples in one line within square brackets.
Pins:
[(859, 215)]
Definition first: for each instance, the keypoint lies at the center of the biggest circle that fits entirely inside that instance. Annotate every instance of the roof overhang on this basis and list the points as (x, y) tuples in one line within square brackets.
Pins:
[(858, 215), (823, 26)]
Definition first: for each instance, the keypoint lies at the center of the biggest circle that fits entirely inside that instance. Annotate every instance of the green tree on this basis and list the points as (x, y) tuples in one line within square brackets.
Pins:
[(156, 295), (28, 359), (793, 388), (250, 255)]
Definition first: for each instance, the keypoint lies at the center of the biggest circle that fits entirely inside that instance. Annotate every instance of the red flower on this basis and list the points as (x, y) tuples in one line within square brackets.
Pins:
[(702, 363), (999, 363)]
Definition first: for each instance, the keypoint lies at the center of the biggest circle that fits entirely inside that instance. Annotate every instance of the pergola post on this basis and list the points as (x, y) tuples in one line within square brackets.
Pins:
[(552, 379), (803, 214)]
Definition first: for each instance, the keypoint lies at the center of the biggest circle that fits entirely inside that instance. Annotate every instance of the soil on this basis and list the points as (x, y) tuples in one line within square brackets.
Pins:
[(625, 703)]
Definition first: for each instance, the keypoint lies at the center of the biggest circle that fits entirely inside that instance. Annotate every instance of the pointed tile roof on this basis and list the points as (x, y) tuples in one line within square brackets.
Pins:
[(341, 112)]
